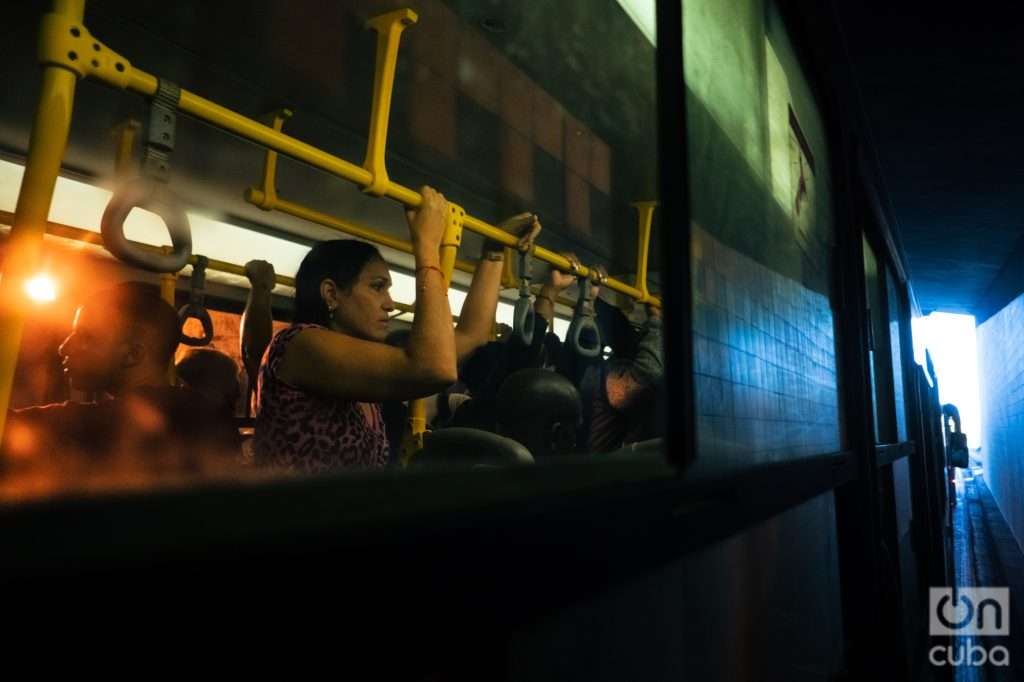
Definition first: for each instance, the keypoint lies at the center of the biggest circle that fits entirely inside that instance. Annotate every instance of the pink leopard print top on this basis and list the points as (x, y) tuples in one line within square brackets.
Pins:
[(310, 433)]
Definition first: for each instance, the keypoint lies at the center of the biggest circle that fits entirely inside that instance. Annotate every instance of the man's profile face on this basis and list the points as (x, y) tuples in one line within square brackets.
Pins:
[(95, 350)]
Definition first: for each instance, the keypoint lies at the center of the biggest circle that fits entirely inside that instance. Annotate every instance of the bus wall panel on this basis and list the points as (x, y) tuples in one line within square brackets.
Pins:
[(761, 605)]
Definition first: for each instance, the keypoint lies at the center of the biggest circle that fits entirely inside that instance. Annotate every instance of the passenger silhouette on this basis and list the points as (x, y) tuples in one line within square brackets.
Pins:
[(139, 426)]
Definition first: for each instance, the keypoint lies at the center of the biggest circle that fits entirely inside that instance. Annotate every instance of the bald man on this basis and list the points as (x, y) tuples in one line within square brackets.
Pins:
[(119, 349)]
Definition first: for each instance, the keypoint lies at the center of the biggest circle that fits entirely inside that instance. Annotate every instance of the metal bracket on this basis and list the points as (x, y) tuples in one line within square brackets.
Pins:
[(160, 133), (456, 221), (67, 43), (525, 267), (451, 240)]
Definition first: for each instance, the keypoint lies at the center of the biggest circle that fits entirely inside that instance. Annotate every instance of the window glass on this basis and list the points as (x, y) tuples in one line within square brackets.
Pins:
[(505, 108), (764, 340), (895, 307)]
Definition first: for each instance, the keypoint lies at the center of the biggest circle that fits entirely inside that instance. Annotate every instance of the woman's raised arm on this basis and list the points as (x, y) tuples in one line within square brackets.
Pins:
[(350, 368)]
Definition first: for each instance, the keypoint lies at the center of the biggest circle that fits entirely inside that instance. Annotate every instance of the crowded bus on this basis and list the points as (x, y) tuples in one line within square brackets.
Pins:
[(520, 325)]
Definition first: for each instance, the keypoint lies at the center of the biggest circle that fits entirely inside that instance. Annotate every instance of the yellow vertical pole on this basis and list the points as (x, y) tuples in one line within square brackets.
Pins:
[(45, 151), (124, 139), (416, 426), (389, 29), (168, 285), (645, 216), (450, 242)]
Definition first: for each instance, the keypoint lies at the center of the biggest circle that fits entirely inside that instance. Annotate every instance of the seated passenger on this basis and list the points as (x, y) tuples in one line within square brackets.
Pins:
[(540, 409), (215, 375), (324, 378), (120, 348)]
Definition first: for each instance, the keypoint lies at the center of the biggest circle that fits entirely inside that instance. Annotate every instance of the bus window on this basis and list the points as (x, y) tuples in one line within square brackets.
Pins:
[(516, 110), (764, 340)]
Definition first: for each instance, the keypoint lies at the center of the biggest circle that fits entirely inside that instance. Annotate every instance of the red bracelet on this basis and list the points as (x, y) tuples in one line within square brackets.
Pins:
[(431, 267), (422, 286)]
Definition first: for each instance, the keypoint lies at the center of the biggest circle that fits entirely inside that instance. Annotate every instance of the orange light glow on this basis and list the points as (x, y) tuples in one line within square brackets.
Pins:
[(41, 289)]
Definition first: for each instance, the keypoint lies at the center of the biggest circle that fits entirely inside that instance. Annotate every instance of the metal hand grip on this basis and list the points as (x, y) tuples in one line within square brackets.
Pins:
[(190, 310), (153, 196), (523, 320), (584, 320), (576, 336), (150, 191), (196, 307)]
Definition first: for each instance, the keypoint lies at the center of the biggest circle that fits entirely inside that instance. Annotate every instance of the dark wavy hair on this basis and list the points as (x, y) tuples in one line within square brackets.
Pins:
[(340, 260)]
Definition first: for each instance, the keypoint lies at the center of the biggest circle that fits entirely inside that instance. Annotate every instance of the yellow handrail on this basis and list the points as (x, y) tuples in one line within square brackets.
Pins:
[(266, 198), (80, 235), (137, 80)]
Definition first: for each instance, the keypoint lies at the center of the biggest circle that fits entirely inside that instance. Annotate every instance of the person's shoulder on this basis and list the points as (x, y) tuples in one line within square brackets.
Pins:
[(59, 410), (284, 337), (279, 345), (42, 428), (293, 330)]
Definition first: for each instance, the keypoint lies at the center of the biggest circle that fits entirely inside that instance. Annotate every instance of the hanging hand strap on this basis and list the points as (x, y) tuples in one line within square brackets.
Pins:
[(523, 315), (584, 336), (150, 191), (196, 306)]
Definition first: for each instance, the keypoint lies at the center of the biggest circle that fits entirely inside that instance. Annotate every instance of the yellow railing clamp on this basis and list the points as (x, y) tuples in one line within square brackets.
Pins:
[(451, 240), (68, 43)]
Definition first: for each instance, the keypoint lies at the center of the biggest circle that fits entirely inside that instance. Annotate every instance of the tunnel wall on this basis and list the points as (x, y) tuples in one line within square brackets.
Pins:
[(764, 604), (1001, 378)]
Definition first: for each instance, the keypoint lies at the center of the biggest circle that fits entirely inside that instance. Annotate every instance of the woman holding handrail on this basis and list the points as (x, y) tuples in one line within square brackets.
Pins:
[(323, 378)]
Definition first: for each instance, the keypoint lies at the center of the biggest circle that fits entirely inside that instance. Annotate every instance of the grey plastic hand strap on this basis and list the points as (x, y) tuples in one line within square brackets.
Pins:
[(150, 192), (584, 336), (196, 307), (523, 315), (153, 196)]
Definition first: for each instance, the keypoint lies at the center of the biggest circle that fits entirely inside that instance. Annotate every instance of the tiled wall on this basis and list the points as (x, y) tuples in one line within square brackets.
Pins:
[(764, 359), (1001, 375)]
